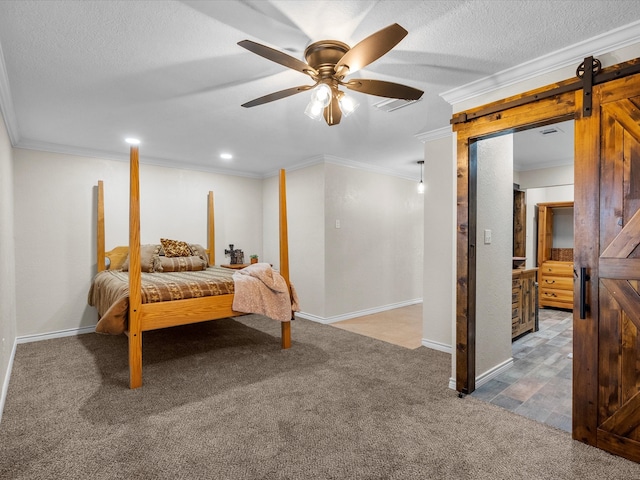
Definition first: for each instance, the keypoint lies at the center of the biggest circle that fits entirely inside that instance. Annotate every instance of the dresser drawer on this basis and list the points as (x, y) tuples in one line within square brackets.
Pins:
[(550, 297), (558, 269), (556, 283)]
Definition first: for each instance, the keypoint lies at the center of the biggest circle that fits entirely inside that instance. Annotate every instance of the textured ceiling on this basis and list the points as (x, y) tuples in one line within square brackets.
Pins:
[(83, 75)]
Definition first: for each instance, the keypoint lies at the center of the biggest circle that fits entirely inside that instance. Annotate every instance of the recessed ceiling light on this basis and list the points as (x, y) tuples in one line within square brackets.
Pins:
[(132, 141), (226, 156)]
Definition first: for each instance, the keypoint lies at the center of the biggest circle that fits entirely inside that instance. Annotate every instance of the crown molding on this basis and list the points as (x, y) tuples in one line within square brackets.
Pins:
[(432, 135), (6, 103), (124, 157), (309, 162), (364, 166), (181, 165), (566, 57), (343, 162)]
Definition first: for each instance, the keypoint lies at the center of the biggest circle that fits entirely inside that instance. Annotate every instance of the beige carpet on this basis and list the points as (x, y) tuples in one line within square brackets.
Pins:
[(221, 400)]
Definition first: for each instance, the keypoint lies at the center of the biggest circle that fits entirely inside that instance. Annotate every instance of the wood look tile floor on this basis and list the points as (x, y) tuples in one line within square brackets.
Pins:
[(400, 326), (538, 385)]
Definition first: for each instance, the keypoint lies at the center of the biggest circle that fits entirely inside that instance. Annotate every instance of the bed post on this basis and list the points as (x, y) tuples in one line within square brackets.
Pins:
[(284, 253), (100, 239), (211, 237), (135, 296)]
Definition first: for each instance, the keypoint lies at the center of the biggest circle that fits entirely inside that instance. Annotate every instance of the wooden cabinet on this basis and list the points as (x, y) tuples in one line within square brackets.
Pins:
[(519, 223), (555, 272), (523, 302)]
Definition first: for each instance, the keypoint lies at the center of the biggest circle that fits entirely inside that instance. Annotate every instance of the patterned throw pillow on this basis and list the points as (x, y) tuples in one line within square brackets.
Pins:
[(175, 248)]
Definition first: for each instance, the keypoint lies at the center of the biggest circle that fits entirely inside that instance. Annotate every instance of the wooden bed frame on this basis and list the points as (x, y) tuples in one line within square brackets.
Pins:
[(152, 316)]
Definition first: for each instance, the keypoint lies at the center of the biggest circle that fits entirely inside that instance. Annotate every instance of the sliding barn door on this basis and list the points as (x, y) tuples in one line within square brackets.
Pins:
[(607, 339)]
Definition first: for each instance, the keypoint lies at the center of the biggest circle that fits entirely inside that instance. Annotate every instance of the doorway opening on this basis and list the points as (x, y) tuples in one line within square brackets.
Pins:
[(536, 379)]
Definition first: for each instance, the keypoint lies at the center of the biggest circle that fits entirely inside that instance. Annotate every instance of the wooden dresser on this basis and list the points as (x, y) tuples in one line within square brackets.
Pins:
[(523, 302), (556, 284), (555, 273)]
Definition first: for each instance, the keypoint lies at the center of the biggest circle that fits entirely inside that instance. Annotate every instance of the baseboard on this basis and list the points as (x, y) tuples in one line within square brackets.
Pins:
[(488, 375), (309, 316), (59, 334), (494, 372), (441, 347), (359, 313), (7, 376)]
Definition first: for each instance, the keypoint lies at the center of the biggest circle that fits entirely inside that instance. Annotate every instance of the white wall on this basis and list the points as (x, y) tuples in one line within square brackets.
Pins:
[(493, 260), (374, 260), (305, 212), (8, 329), (562, 228), (555, 193), (55, 223), (546, 177), (439, 245)]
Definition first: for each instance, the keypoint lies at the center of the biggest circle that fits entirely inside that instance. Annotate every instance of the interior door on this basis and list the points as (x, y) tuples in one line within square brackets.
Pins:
[(607, 231)]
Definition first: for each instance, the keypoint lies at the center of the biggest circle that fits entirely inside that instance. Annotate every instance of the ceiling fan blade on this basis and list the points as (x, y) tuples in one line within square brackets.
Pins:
[(384, 89), (370, 49), (278, 57), (332, 112), (277, 95)]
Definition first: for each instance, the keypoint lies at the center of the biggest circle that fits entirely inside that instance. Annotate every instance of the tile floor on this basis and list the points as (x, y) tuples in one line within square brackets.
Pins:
[(538, 385)]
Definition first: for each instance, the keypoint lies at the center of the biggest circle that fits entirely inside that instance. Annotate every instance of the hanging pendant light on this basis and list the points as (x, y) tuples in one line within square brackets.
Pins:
[(421, 184)]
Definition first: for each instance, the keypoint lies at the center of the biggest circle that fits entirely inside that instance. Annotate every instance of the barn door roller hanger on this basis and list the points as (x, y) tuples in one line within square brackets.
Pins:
[(587, 71)]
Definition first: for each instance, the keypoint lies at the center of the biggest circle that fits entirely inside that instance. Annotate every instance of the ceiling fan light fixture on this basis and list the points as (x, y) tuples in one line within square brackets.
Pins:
[(328, 62), (322, 95), (314, 110), (348, 105)]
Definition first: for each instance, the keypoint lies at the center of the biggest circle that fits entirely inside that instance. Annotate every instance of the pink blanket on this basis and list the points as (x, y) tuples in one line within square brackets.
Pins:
[(260, 289)]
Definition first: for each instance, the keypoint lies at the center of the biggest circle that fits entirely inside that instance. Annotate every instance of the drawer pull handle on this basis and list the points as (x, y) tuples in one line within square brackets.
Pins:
[(550, 282), (550, 294)]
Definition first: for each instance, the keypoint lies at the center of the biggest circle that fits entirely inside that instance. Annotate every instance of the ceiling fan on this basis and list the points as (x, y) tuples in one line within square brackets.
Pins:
[(328, 62)]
